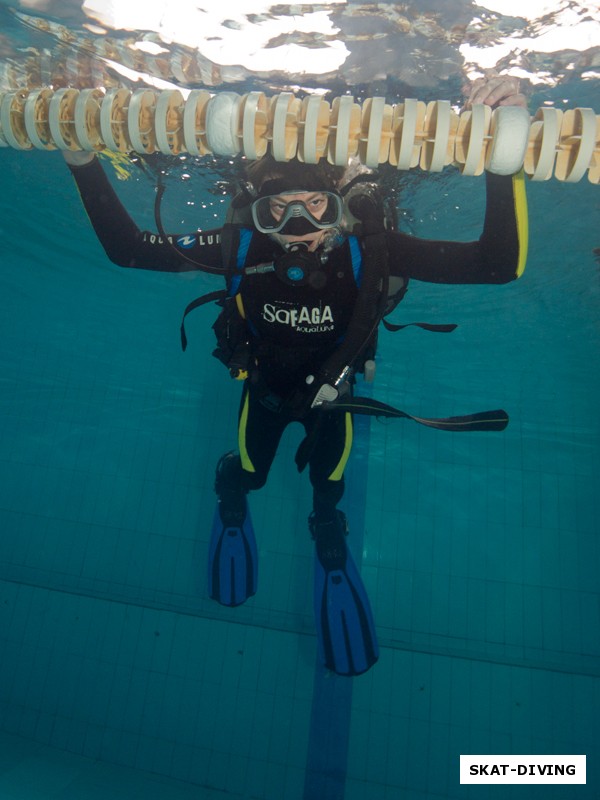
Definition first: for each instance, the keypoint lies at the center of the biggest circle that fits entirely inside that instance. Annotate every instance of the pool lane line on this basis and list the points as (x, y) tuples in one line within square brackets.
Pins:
[(331, 711)]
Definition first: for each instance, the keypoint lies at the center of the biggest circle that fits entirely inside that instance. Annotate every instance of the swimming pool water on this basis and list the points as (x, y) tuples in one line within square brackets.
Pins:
[(480, 552)]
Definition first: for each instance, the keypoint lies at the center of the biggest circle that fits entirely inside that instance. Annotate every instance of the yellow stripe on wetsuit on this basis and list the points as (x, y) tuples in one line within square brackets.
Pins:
[(338, 472), (248, 466), (522, 220)]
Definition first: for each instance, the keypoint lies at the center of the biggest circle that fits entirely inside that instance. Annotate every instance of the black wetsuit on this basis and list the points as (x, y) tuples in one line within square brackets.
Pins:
[(294, 329)]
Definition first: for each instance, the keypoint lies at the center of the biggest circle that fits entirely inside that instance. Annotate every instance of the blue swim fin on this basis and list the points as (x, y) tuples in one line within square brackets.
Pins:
[(345, 628), (233, 557)]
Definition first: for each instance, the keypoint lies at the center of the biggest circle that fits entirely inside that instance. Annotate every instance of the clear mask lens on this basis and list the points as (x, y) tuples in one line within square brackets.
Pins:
[(321, 210)]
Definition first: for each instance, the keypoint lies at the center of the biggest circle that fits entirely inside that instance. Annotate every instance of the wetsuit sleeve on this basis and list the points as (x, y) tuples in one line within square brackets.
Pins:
[(128, 246), (498, 257)]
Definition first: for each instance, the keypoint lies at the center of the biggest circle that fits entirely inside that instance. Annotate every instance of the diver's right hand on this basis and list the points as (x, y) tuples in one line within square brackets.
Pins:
[(78, 158)]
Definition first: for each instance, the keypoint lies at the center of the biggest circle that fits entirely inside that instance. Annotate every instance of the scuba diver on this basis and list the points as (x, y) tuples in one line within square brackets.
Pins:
[(311, 268)]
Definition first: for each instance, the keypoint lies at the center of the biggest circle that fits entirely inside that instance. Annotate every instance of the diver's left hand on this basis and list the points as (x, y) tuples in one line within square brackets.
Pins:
[(326, 393), (314, 395), (495, 90)]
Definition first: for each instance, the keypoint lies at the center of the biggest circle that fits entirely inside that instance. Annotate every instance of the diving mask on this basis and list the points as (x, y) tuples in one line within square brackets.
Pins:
[(297, 211)]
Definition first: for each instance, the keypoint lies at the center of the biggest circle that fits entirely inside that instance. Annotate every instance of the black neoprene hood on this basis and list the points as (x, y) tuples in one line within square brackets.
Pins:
[(275, 186)]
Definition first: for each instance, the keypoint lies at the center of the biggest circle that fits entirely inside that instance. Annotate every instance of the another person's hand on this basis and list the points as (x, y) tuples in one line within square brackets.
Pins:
[(78, 158), (495, 90)]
